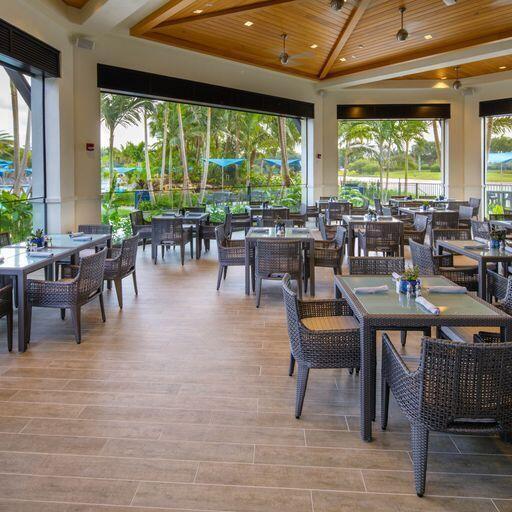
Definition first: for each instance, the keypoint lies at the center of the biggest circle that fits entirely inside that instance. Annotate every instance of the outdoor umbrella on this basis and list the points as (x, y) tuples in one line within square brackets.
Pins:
[(226, 162)]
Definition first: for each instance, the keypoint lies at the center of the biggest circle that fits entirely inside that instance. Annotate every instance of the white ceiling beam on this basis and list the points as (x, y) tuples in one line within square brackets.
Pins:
[(450, 58)]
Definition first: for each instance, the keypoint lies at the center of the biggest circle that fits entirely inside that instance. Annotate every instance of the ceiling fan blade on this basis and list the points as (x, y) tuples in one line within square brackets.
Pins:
[(303, 55)]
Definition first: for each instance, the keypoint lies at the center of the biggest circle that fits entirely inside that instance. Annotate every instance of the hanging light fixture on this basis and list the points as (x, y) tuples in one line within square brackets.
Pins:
[(402, 34), (337, 5), (457, 84)]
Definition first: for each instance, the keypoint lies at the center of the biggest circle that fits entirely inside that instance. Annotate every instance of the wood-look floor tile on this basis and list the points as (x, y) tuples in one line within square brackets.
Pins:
[(482, 445), (28, 383), (40, 506), (477, 464), (222, 498), (13, 425), (503, 505), (35, 410), (51, 444)]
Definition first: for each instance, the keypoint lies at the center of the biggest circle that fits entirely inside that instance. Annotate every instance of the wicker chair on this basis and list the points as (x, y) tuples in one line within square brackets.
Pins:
[(207, 231), (300, 218), (192, 209), (323, 334), (120, 263), (458, 388), (335, 211), (273, 259), (231, 253), (240, 222), (312, 213), (375, 265), (172, 233), (328, 254), (465, 217), (85, 285), (474, 202), (327, 232), (6, 310), (5, 239), (480, 229), (430, 265), (418, 230), (382, 237), (445, 220), (140, 227), (272, 214)]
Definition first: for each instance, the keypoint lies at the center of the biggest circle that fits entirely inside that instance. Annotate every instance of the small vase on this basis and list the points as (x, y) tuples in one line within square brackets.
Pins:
[(38, 241), (494, 244), (405, 284)]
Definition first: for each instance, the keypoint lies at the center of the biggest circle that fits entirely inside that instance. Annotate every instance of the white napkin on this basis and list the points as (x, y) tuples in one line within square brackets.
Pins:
[(372, 289), (508, 248), (396, 276), (78, 233), (428, 305), (40, 254), (448, 289), (82, 238)]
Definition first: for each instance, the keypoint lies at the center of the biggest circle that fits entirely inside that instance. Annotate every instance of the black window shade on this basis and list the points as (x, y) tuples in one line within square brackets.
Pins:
[(395, 111), (496, 107)]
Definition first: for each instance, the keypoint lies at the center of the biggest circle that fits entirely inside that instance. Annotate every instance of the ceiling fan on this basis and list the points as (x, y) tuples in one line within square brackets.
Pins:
[(285, 58)]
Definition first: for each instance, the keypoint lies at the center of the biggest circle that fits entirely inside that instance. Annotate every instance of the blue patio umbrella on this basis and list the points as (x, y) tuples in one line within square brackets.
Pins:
[(225, 162), (126, 170), (278, 162)]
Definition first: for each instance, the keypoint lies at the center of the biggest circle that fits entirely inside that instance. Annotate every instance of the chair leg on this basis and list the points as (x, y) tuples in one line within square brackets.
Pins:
[(134, 277), (419, 446), (109, 284), (192, 247), (225, 272), (62, 314), (384, 400), (119, 291), (299, 286), (403, 338), (102, 308), (219, 276), (302, 382), (292, 365), (75, 317), (258, 292), (163, 252), (143, 244), (10, 329)]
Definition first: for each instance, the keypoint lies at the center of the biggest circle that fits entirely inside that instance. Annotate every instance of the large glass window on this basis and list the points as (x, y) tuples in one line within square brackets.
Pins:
[(160, 155), (382, 158), (497, 177), (22, 185)]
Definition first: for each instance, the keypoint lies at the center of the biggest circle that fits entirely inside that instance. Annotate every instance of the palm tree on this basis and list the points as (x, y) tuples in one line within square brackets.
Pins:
[(206, 162), (148, 109), (164, 143), (351, 134), (6, 144), (117, 110), (495, 126), (285, 174), (183, 153)]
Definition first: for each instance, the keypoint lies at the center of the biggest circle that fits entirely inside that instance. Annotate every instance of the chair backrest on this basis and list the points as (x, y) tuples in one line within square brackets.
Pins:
[(321, 226), (96, 229), (336, 209), (500, 288), (221, 235), (480, 229), (291, 304), (387, 210), (421, 222), (326, 198), (465, 213), (90, 274), (227, 224), (5, 239), (422, 258), (166, 229), (442, 220), (136, 219), (129, 253), (193, 209), (278, 257), (340, 236), (389, 232), (375, 265), (450, 234), (460, 382), (474, 202)]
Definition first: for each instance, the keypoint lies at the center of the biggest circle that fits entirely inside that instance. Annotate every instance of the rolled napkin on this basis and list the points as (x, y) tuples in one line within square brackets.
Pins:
[(508, 248), (396, 276), (78, 233), (40, 254), (368, 290), (448, 289), (2, 259), (428, 305), (476, 246), (82, 238), (482, 240)]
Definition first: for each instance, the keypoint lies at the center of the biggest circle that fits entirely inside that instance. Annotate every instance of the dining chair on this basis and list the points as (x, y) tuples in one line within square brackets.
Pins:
[(207, 231), (84, 284), (312, 213), (323, 334), (141, 227), (475, 202), (458, 388), (417, 230), (273, 259), (335, 211), (375, 265), (444, 220), (120, 263), (327, 232), (497, 216), (172, 232), (480, 229), (378, 206), (6, 310), (465, 216), (384, 237), (231, 253)]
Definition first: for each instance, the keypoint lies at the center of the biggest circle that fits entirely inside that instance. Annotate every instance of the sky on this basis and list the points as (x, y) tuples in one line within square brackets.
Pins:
[(6, 109)]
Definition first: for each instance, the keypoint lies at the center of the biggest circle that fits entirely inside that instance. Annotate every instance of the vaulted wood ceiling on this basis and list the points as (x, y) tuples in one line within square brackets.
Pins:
[(76, 3), (324, 43)]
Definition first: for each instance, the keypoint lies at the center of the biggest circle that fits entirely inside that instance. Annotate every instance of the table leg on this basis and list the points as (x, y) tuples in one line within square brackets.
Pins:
[(154, 248), (351, 243), (22, 315), (247, 267), (365, 381), (337, 291), (198, 242), (482, 280), (312, 267)]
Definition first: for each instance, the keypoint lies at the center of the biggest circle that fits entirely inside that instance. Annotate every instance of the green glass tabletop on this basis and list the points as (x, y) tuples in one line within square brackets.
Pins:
[(271, 233), (476, 247), (22, 259), (393, 303)]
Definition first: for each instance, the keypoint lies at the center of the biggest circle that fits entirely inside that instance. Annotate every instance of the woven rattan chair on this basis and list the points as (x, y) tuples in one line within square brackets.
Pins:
[(141, 227), (323, 334), (193, 209), (241, 222), (272, 214), (480, 229), (430, 265), (172, 233), (120, 263), (417, 230), (384, 237), (6, 310), (327, 232), (86, 285), (273, 259), (475, 202), (458, 388), (450, 234), (5, 239), (231, 253), (375, 265), (335, 211), (312, 213), (445, 220), (465, 217), (207, 231)]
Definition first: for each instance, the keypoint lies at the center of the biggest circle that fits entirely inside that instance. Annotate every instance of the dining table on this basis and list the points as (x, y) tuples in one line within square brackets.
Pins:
[(354, 222), (18, 262), (392, 311), (305, 235), (479, 251)]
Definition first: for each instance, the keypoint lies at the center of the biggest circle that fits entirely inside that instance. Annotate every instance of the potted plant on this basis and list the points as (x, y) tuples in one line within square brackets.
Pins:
[(497, 237), (410, 276), (425, 206), (280, 227), (37, 238)]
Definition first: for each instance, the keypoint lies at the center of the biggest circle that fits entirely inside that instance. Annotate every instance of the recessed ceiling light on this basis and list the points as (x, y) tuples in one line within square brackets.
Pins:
[(428, 36), (444, 77), (503, 67), (360, 45), (198, 11), (354, 57), (248, 23), (314, 46), (343, 59)]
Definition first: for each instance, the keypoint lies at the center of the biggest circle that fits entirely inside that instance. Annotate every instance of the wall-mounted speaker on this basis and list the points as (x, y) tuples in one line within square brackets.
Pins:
[(84, 43)]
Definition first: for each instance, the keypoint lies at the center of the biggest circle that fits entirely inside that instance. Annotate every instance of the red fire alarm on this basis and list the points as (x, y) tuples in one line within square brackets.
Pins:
[(89, 146)]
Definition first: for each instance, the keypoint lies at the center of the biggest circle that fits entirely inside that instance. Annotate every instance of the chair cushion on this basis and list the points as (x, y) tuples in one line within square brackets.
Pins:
[(330, 323), (466, 333)]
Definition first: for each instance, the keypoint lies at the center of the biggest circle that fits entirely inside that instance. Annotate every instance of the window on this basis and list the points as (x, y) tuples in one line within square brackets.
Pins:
[(384, 157)]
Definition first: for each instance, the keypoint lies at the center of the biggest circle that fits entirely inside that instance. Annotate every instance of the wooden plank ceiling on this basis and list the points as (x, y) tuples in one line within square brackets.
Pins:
[(75, 3), (324, 43)]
